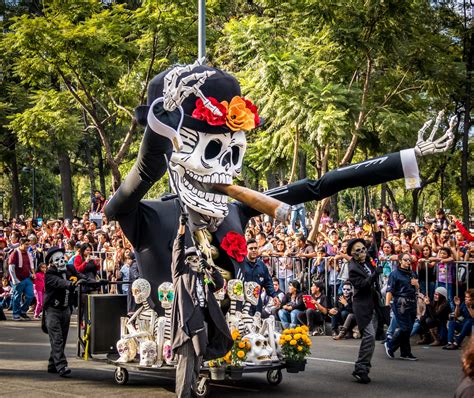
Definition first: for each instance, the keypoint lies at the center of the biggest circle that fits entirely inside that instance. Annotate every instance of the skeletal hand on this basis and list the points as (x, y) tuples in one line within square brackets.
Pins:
[(431, 146), (175, 93)]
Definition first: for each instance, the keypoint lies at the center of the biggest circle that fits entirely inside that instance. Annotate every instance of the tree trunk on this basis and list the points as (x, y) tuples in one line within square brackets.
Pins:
[(317, 217), (334, 207), (17, 201), (295, 155), (90, 165), (383, 194), (415, 194), (271, 179), (302, 165), (469, 56), (392, 198), (64, 163), (100, 167)]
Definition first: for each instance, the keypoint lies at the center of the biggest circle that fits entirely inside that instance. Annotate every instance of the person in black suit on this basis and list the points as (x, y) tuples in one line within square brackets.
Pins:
[(366, 303)]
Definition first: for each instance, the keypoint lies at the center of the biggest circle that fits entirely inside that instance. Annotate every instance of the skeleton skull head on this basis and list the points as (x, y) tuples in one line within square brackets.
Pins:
[(235, 289), (148, 353), (204, 160), (168, 352), (166, 294), (127, 349), (260, 352), (57, 259), (141, 290), (359, 252), (252, 292), (220, 294)]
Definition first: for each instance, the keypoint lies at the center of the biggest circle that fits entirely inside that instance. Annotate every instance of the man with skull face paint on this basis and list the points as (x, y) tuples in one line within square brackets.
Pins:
[(198, 327), (60, 282), (365, 304), (195, 122)]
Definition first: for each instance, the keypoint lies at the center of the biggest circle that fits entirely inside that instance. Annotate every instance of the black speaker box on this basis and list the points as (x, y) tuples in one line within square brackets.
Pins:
[(106, 310)]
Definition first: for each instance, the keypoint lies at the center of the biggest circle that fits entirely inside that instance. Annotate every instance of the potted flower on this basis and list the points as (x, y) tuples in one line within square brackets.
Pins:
[(217, 369), (295, 346), (235, 358)]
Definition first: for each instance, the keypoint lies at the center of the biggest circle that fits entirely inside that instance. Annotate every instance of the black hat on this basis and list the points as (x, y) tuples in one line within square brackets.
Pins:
[(221, 85), (352, 242), (190, 251), (51, 251)]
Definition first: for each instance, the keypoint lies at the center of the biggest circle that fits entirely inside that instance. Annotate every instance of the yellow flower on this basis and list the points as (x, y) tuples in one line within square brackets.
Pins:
[(240, 354), (293, 342), (297, 336), (287, 337), (241, 344), (286, 331), (300, 348), (235, 334), (305, 328), (292, 331), (298, 329), (247, 345), (239, 117)]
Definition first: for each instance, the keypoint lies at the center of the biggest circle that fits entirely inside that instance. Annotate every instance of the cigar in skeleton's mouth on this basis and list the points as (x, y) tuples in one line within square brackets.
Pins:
[(256, 200)]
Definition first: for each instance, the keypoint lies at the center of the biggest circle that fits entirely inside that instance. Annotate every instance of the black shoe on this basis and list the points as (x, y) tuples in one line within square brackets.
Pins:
[(362, 378), (409, 357), (388, 350), (25, 317), (451, 346), (52, 369), (65, 372)]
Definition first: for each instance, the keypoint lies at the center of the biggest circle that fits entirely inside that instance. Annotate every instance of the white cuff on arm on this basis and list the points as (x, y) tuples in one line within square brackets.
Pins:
[(410, 168)]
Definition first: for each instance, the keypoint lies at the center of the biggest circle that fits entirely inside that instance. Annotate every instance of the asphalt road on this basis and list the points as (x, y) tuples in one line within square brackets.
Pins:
[(24, 350)]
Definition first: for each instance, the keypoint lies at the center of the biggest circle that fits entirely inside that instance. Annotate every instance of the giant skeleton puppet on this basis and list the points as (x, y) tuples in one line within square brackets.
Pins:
[(195, 122)]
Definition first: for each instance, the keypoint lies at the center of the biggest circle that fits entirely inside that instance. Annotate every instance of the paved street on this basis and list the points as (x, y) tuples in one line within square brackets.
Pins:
[(24, 350)]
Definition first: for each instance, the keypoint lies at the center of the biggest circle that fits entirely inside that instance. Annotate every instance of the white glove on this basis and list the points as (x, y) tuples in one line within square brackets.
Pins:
[(442, 144)]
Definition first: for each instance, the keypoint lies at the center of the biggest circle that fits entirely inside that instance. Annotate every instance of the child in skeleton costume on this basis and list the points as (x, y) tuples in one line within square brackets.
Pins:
[(252, 294), (60, 297), (195, 123), (199, 330), (235, 291), (163, 337)]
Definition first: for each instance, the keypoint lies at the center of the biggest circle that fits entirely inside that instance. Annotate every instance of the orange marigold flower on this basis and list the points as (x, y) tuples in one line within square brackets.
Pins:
[(239, 117), (241, 344), (293, 342), (300, 348), (240, 354)]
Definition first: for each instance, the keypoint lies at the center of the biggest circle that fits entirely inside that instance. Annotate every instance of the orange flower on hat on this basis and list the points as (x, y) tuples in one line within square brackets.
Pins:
[(239, 117)]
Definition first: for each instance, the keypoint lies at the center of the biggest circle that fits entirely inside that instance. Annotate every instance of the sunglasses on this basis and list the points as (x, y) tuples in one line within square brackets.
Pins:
[(407, 260), (253, 248)]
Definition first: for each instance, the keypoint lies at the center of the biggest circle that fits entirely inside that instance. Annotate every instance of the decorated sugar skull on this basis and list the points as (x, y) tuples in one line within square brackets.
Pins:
[(212, 122), (252, 292), (127, 349), (235, 289), (260, 352), (148, 353), (141, 290), (166, 294), (55, 256), (168, 352)]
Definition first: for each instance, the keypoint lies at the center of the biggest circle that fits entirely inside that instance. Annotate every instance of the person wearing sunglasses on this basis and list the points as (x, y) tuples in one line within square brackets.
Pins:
[(401, 295), (366, 304)]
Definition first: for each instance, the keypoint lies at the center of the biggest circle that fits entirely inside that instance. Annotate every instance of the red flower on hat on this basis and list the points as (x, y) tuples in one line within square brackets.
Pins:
[(235, 246), (253, 108), (203, 113)]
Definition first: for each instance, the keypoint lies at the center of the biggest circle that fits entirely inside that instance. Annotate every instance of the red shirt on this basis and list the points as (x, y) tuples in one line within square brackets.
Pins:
[(21, 272)]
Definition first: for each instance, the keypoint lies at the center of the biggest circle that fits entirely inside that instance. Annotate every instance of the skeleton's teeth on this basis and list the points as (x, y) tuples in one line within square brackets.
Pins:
[(228, 180), (222, 179), (201, 194), (215, 178), (206, 179)]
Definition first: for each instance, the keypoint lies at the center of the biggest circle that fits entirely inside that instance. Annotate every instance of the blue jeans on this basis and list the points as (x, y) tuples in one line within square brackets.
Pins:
[(289, 319), (6, 302), (24, 287), (464, 329), (299, 215), (393, 325)]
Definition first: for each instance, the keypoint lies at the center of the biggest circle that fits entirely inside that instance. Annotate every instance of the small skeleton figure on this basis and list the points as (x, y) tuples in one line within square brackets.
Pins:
[(163, 335), (220, 295), (127, 349), (260, 352), (144, 322), (148, 353), (252, 295)]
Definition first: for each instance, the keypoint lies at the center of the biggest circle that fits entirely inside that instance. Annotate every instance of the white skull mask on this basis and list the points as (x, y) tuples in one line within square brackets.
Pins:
[(260, 352), (220, 294), (141, 290), (252, 292), (207, 159), (127, 349), (57, 259), (148, 353), (235, 289), (166, 294)]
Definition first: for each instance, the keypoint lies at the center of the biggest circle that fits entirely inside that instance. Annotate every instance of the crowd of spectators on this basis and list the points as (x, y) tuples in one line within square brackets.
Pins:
[(310, 275)]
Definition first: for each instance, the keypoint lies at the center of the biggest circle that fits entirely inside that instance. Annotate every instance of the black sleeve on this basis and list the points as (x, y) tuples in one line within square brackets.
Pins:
[(300, 303), (149, 167), (53, 282), (370, 172), (178, 265)]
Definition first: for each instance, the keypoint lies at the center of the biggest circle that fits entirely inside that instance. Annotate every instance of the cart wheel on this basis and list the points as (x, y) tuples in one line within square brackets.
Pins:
[(274, 377), (202, 388), (121, 376)]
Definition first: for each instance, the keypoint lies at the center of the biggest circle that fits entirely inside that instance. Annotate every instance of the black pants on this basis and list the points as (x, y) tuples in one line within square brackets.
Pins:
[(57, 322), (405, 314), (311, 318)]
